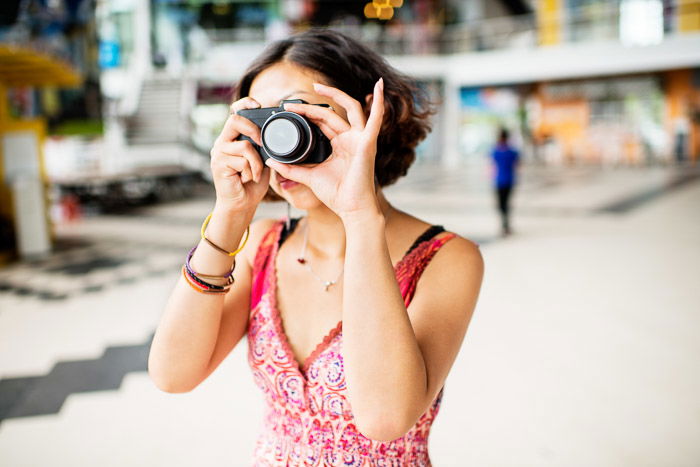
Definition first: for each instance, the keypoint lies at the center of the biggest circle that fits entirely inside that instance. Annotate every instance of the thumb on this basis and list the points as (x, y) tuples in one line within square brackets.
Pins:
[(295, 173)]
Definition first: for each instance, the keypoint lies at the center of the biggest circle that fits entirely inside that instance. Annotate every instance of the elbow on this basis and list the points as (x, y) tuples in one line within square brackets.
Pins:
[(167, 382), (384, 427), (171, 387)]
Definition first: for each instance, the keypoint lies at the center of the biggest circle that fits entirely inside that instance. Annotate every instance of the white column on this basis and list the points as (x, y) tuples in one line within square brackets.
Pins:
[(20, 153), (451, 125)]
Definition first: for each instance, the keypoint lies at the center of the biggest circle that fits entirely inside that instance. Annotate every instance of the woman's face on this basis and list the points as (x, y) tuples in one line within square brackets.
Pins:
[(282, 81)]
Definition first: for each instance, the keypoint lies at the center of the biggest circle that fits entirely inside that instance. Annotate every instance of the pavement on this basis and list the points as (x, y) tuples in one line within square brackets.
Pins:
[(582, 350)]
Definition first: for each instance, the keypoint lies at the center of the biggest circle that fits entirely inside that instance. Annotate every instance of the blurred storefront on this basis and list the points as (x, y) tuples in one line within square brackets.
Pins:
[(642, 119), (48, 89), (603, 82), (483, 111), (619, 120), (24, 214)]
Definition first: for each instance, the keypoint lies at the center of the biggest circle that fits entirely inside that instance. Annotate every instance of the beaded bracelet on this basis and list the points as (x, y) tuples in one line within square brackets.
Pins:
[(228, 277), (217, 247), (197, 281), (198, 288), (212, 287), (203, 286)]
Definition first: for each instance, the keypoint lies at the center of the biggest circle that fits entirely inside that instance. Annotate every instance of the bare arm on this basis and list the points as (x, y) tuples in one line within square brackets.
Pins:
[(198, 330), (396, 360)]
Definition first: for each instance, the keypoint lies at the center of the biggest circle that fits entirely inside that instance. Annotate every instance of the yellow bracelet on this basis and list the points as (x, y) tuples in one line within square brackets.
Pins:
[(233, 253)]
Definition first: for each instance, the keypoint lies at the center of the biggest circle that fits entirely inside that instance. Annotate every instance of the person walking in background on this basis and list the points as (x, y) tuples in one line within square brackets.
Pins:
[(505, 159)]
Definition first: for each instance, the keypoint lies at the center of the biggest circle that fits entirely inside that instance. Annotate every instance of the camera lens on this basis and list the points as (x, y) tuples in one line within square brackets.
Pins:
[(287, 137), (281, 136)]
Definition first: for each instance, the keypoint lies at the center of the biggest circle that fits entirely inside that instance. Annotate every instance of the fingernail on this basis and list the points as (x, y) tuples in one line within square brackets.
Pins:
[(381, 83), (268, 162), (251, 104)]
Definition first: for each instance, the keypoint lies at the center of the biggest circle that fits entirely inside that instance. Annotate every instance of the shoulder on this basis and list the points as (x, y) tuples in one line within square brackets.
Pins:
[(451, 282), (458, 257)]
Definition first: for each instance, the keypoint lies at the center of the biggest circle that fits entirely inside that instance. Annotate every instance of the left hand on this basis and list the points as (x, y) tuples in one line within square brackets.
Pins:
[(345, 181)]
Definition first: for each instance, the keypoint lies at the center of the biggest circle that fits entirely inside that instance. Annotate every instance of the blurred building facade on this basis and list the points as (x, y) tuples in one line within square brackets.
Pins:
[(48, 78), (578, 81), (603, 82)]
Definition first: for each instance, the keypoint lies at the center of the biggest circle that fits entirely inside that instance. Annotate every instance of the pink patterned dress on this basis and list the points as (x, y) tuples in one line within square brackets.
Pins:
[(309, 420)]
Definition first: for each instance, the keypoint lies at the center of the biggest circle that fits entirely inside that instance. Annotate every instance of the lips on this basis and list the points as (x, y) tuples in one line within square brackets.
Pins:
[(286, 183)]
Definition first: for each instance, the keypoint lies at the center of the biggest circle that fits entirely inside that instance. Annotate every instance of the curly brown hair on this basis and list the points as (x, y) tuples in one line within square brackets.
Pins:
[(354, 68)]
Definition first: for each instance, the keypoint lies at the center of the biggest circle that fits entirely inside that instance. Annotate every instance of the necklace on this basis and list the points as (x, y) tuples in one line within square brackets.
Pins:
[(304, 262)]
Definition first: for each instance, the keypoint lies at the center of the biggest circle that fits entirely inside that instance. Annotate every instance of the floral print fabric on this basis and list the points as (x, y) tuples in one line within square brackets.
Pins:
[(309, 420)]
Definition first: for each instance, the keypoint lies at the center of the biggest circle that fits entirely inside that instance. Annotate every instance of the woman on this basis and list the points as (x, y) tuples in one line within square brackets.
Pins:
[(367, 391)]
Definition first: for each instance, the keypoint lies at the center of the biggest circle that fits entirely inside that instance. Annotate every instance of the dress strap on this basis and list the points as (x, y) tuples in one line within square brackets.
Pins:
[(286, 232), (262, 257), (410, 269), (432, 231)]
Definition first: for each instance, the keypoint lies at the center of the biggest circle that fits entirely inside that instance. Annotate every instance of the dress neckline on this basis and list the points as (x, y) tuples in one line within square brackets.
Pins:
[(276, 316)]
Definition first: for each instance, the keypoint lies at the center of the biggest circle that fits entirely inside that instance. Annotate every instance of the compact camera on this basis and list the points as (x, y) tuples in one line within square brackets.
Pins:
[(288, 137)]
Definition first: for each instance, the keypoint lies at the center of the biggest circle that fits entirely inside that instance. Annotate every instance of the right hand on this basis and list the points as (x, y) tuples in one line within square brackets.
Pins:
[(240, 177)]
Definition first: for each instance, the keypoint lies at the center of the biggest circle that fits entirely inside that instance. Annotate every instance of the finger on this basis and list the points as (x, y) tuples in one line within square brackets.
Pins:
[(265, 177), (246, 150), (234, 178), (244, 103), (231, 174), (321, 116), (356, 116), (376, 113), (237, 125), (246, 176), (223, 163), (326, 130), (292, 172)]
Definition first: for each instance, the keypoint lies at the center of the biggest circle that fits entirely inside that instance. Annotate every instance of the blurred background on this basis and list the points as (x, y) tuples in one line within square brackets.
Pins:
[(583, 348)]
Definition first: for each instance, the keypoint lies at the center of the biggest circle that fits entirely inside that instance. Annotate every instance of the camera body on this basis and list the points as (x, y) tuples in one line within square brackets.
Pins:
[(288, 137)]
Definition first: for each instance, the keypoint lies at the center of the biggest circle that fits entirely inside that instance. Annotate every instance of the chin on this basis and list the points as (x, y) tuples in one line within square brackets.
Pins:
[(300, 197)]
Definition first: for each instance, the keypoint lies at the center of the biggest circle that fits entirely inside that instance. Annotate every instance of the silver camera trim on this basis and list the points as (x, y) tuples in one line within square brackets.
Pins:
[(276, 115)]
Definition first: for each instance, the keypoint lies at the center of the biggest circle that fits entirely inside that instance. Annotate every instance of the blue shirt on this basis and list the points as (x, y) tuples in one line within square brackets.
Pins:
[(505, 159)]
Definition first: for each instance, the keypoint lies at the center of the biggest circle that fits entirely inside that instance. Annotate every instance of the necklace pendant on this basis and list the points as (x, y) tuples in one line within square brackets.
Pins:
[(301, 260), (328, 284)]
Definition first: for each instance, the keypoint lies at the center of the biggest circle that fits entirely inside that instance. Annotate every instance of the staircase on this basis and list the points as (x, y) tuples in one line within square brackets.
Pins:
[(157, 120)]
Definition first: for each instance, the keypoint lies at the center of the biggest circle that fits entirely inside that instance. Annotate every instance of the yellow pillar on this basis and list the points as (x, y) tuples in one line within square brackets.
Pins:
[(6, 210), (5, 191), (549, 22), (4, 110), (688, 15)]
